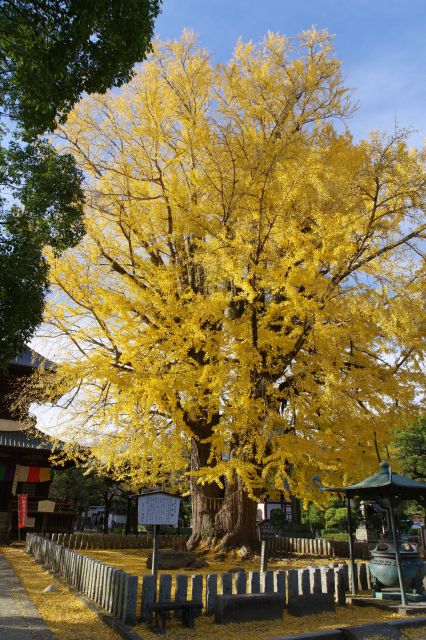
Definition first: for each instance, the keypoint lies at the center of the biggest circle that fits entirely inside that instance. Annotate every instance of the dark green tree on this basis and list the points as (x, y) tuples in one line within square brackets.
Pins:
[(41, 205), (85, 489), (314, 516), (410, 445), (51, 51)]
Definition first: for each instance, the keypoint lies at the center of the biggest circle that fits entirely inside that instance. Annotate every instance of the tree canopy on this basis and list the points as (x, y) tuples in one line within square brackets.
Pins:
[(41, 205), (248, 301), (52, 51), (410, 444)]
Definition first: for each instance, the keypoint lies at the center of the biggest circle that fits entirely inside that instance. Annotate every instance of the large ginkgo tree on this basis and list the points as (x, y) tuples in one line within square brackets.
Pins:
[(247, 307)]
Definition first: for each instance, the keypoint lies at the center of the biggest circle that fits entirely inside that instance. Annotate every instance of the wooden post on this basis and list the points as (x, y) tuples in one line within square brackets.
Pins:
[(264, 556), (351, 546), (155, 551), (397, 554)]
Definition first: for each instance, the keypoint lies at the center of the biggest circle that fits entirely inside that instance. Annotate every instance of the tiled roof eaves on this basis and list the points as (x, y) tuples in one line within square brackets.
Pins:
[(20, 440)]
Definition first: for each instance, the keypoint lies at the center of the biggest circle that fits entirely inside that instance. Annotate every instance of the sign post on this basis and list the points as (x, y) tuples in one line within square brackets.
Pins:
[(266, 531), (158, 508), (22, 512)]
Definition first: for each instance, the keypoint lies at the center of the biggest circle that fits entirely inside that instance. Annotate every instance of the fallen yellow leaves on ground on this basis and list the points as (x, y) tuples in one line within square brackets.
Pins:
[(64, 614), (134, 561), (416, 632), (70, 619), (289, 625)]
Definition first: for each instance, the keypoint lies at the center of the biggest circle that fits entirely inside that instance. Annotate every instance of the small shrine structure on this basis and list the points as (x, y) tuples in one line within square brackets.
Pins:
[(25, 468), (387, 488)]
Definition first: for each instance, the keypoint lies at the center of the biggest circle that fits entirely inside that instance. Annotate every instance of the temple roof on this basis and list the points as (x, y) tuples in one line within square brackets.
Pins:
[(386, 483), (24, 440), (30, 359)]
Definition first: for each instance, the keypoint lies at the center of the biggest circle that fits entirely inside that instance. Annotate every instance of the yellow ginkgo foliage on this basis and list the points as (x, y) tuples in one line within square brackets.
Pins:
[(248, 302)]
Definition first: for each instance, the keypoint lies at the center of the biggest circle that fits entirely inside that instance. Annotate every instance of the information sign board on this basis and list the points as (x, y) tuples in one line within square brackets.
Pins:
[(266, 530), (158, 508)]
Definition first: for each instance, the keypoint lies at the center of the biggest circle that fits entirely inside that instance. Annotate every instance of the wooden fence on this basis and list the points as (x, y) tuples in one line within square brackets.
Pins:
[(117, 592), (292, 585), (318, 547), (114, 541), (110, 588), (307, 546)]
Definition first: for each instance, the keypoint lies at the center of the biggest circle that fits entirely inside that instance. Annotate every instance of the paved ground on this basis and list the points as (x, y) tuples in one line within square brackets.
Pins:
[(19, 619)]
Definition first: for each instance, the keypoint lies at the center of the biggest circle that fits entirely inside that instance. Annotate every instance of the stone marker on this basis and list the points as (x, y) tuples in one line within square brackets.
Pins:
[(106, 599), (254, 581), (362, 577), (172, 559), (181, 587), (375, 630), (340, 587), (211, 593), (50, 589), (345, 568), (110, 602), (304, 582), (327, 576), (165, 587), (118, 594), (315, 576), (226, 580), (241, 582), (181, 592), (310, 604), (279, 584), (292, 584), (197, 590), (130, 599), (248, 607), (267, 582), (148, 591)]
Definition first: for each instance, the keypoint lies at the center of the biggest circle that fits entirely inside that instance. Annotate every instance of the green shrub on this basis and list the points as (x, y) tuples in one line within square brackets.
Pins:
[(329, 534)]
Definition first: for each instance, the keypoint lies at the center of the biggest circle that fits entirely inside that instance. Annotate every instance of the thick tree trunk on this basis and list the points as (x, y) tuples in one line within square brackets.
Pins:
[(222, 519), (205, 499), (105, 523), (235, 522)]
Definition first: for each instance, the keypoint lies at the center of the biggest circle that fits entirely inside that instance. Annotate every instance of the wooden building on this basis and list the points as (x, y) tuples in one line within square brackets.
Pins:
[(25, 468), (291, 508)]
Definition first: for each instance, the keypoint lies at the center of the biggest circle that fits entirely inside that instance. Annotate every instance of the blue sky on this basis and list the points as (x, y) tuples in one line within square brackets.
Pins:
[(382, 44)]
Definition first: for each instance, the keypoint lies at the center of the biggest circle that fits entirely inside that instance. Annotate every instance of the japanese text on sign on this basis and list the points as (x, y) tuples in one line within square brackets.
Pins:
[(22, 510), (266, 530), (158, 509)]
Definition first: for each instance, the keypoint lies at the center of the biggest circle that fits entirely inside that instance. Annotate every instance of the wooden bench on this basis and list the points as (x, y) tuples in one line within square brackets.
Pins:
[(161, 609)]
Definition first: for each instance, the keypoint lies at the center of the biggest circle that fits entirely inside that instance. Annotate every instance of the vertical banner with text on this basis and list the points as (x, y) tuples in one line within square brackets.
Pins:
[(22, 510)]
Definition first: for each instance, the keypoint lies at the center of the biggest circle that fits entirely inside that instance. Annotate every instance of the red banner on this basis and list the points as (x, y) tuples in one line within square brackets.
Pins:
[(22, 510)]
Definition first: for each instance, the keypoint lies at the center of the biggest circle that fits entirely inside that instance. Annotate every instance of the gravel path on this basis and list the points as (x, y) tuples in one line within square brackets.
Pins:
[(19, 619)]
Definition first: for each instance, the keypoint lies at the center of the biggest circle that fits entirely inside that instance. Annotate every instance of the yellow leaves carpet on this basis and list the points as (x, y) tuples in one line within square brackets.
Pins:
[(64, 614), (70, 619)]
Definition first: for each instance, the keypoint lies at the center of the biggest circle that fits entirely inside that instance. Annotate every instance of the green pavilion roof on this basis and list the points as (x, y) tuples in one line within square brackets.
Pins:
[(384, 484)]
